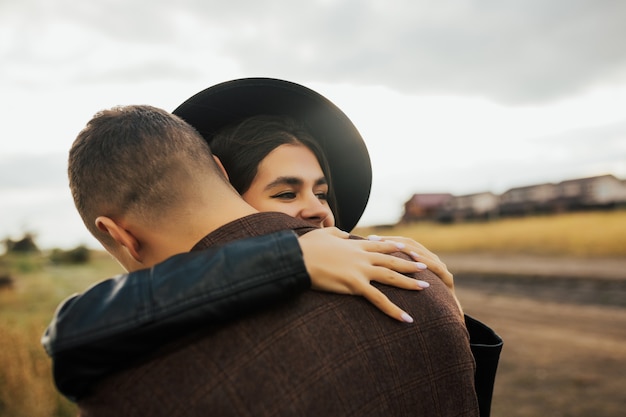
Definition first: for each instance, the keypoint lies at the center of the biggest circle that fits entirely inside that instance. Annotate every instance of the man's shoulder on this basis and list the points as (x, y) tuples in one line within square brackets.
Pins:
[(340, 320)]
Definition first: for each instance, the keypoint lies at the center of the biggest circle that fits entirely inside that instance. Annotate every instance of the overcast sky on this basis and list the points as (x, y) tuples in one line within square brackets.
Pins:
[(450, 96)]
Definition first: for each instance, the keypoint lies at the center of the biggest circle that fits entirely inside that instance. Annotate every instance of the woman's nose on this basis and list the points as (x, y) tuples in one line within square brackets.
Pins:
[(315, 211)]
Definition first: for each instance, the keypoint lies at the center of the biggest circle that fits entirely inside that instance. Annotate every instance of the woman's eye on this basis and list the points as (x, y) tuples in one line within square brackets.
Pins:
[(285, 196), (322, 196)]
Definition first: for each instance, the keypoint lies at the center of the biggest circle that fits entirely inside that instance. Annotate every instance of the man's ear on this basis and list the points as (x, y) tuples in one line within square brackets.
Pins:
[(121, 235), (221, 166)]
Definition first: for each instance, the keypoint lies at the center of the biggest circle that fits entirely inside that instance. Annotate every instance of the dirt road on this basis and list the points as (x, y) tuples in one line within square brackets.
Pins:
[(562, 356), (564, 267)]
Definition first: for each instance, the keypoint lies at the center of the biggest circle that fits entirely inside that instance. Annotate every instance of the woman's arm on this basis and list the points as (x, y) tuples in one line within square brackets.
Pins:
[(122, 319)]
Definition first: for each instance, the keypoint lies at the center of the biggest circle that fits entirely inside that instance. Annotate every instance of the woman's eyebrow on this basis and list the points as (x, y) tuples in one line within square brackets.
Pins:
[(321, 181), (284, 181)]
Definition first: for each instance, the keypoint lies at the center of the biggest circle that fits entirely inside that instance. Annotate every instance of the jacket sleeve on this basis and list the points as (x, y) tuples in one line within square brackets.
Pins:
[(121, 319)]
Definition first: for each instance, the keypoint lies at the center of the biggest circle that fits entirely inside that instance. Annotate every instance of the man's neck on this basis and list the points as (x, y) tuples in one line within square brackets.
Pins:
[(180, 234)]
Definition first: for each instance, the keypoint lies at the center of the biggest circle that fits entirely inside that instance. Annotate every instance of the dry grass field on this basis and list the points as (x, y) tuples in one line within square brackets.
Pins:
[(561, 357), (583, 234), (26, 388)]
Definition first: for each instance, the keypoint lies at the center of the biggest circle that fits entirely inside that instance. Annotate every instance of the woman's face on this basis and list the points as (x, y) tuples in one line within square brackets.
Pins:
[(290, 180)]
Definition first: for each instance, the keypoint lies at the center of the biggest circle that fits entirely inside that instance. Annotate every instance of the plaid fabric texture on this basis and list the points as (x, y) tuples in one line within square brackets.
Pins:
[(317, 355)]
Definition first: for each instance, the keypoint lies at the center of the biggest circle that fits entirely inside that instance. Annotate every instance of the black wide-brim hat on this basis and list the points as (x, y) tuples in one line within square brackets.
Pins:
[(232, 101)]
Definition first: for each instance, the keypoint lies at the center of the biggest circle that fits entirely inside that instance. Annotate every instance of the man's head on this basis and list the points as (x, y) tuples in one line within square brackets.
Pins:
[(140, 170)]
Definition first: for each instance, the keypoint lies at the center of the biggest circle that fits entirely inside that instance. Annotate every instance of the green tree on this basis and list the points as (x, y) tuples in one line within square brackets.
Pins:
[(24, 245), (78, 255)]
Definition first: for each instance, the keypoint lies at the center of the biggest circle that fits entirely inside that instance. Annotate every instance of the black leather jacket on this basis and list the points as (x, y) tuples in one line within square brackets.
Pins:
[(124, 318)]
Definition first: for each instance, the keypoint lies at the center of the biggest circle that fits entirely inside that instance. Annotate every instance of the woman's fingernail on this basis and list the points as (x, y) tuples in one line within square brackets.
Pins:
[(422, 284), (406, 318), (399, 245), (414, 255), (421, 265), (374, 237)]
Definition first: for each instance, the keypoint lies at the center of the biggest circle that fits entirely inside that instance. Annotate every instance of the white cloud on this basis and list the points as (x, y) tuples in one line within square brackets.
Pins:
[(521, 51), (512, 52)]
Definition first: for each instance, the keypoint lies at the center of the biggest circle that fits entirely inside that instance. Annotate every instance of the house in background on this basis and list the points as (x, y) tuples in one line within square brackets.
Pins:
[(603, 191), (600, 192), (424, 206), (528, 200), (479, 206)]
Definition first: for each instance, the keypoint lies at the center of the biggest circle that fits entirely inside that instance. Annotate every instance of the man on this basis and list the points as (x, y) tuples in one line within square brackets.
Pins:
[(126, 317), (317, 354)]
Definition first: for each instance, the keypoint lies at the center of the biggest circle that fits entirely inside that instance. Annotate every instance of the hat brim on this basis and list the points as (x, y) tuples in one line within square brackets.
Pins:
[(232, 101)]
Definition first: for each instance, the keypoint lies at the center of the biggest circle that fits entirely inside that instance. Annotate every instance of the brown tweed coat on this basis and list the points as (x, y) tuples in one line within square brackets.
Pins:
[(317, 355)]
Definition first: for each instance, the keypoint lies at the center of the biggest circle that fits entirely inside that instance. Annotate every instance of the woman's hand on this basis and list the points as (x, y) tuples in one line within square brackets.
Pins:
[(419, 253), (341, 265)]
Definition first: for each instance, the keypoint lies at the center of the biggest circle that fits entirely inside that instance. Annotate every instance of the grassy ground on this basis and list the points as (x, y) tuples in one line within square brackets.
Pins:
[(559, 359), (586, 234), (26, 388)]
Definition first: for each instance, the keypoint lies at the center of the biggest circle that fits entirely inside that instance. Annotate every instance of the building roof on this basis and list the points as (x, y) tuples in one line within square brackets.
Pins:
[(429, 200)]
